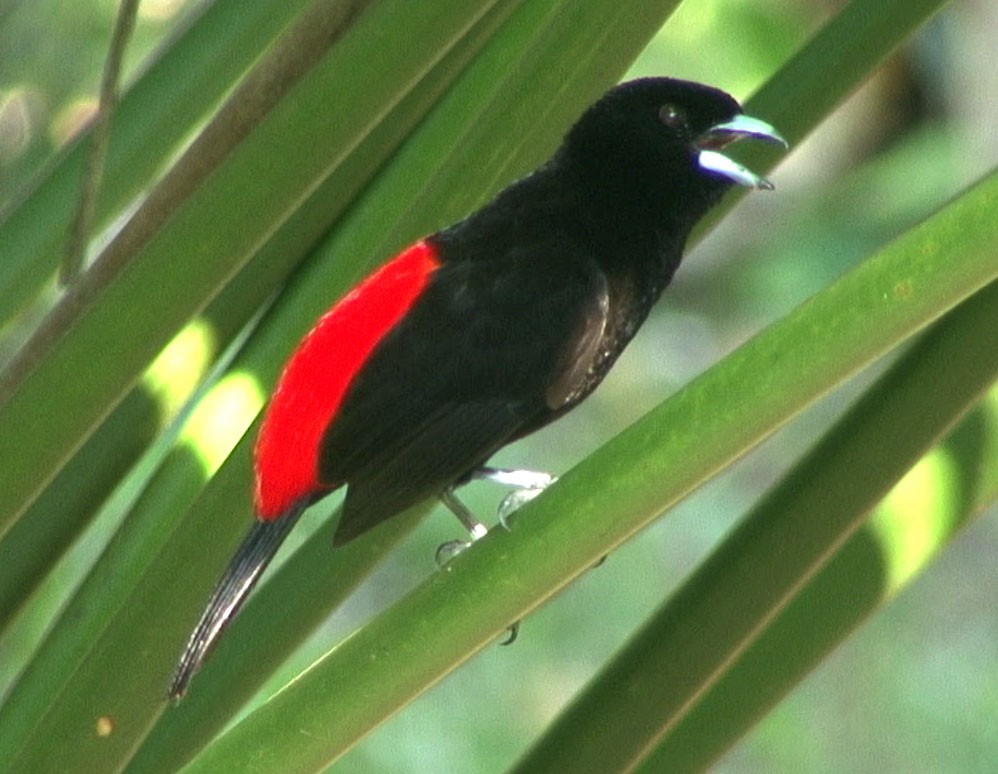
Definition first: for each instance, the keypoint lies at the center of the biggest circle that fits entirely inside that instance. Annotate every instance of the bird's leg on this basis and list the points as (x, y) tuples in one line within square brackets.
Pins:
[(475, 528), (527, 484)]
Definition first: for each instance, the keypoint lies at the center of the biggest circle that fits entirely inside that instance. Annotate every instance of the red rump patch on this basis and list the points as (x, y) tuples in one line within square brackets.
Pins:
[(315, 379)]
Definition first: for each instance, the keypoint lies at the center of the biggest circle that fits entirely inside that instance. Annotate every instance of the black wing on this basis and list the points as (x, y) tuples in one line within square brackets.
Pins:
[(490, 351)]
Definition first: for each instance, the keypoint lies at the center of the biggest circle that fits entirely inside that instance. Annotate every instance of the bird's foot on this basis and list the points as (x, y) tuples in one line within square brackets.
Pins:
[(527, 484), (447, 551)]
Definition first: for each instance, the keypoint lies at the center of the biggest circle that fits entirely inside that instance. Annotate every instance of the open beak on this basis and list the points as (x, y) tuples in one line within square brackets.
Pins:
[(719, 136)]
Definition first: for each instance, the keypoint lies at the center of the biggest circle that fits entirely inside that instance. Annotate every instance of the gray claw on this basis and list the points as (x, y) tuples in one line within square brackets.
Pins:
[(447, 551)]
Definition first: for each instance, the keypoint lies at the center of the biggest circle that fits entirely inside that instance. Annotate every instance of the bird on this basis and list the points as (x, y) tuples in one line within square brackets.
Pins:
[(487, 330)]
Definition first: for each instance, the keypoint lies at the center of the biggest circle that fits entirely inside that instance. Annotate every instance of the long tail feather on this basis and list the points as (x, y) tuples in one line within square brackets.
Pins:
[(239, 578)]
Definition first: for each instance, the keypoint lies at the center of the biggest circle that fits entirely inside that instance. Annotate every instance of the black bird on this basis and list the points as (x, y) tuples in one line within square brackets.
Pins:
[(488, 330)]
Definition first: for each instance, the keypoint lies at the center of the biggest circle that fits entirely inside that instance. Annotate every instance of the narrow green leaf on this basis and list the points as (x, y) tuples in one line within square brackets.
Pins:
[(931, 505), (691, 642), (57, 518), (833, 64), (163, 107), (838, 59)]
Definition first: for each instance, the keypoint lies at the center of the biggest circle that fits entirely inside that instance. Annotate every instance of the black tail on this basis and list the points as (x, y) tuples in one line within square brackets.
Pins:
[(245, 568)]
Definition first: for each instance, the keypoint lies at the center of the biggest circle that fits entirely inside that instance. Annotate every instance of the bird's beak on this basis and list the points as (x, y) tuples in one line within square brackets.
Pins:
[(721, 135)]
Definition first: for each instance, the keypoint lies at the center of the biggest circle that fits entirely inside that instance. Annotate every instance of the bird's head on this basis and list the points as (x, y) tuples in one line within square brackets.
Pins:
[(661, 141)]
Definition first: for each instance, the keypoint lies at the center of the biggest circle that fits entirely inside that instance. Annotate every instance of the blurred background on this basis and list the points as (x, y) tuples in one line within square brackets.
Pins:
[(916, 688)]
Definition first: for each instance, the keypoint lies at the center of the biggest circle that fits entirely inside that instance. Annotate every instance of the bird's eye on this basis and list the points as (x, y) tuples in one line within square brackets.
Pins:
[(672, 116)]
